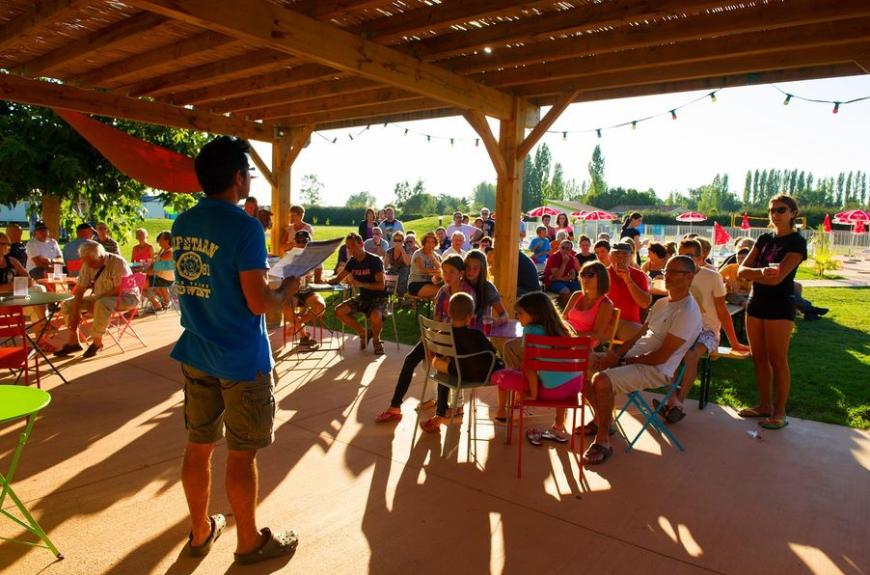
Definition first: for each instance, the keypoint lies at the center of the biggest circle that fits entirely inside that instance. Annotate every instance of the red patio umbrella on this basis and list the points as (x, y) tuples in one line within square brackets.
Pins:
[(599, 216), (852, 217), (691, 217), (579, 214), (859, 228), (543, 211), (744, 225), (827, 223)]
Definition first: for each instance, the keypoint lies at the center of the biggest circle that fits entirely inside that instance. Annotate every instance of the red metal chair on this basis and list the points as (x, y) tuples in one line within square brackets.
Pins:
[(16, 357), (121, 320), (549, 354)]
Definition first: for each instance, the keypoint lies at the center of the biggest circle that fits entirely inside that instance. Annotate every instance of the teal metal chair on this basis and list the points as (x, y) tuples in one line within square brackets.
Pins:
[(17, 402), (653, 417)]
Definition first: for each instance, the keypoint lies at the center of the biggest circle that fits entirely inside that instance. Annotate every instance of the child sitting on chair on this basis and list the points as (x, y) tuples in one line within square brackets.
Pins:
[(467, 341), (536, 312)]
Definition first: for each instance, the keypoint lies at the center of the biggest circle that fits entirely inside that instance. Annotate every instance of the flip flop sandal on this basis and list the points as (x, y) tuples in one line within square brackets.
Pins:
[(675, 414), (275, 545), (597, 454), (388, 417), (591, 429), (378, 348), (773, 424), (534, 436), (752, 412), (218, 522)]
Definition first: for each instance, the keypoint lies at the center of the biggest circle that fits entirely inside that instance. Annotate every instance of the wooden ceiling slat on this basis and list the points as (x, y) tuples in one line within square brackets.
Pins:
[(754, 19), (119, 32), (156, 57), (724, 66), (682, 53), (588, 17), (285, 30), (324, 9), (391, 118), (362, 113), (49, 94), (412, 22), (37, 15), (250, 62), (296, 94), (300, 75), (340, 102)]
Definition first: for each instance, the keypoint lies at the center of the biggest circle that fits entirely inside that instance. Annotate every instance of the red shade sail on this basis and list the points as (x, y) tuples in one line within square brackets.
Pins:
[(152, 165), (720, 235)]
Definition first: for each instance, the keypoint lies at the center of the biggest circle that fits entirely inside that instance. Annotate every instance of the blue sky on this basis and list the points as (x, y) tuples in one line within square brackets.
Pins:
[(746, 128)]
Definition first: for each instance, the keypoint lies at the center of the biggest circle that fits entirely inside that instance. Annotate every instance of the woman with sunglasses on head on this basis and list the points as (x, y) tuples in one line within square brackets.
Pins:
[(562, 224), (589, 310), (771, 266)]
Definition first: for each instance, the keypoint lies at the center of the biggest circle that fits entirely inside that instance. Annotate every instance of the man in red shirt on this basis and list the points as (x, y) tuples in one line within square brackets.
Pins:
[(629, 290)]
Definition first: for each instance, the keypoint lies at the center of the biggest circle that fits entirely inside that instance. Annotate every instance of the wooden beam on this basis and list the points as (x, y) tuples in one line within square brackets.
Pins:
[(767, 42), (591, 16), (52, 95), (722, 67), (363, 114), (767, 17), (154, 58), (281, 29), (300, 137), (377, 96), (545, 124), (325, 9), (390, 118), (81, 47), (281, 191), (264, 169), (508, 206), (35, 16), (249, 63), (481, 126), (298, 76), (322, 89)]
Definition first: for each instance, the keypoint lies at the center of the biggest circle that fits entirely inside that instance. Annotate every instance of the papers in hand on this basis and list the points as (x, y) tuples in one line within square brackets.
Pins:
[(299, 262)]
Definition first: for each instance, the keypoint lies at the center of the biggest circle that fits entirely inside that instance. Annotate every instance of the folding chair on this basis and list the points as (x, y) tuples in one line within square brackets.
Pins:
[(551, 354), (17, 357), (437, 339), (121, 320), (652, 416)]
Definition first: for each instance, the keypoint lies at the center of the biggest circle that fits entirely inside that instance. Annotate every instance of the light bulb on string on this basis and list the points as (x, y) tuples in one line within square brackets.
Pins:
[(713, 97), (406, 132), (787, 100), (350, 136), (367, 127), (451, 142), (634, 125), (477, 142), (598, 131), (673, 114), (564, 136), (385, 124), (836, 109), (428, 138), (335, 140)]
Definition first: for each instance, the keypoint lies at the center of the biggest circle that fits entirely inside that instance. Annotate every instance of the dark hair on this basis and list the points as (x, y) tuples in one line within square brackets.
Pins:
[(461, 306), (602, 244), (251, 200), (658, 249), (374, 214), (455, 262), (543, 312), (695, 245), (788, 201), (671, 247), (354, 236), (486, 239), (687, 263), (584, 238), (629, 218), (601, 274), (567, 223), (219, 161), (164, 235), (479, 285)]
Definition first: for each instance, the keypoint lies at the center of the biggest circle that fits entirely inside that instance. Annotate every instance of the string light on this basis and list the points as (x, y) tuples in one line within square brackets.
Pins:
[(673, 114), (598, 131), (634, 125), (713, 97), (428, 138), (477, 142), (564, 136), (787, 100), (451, 141), (837, 107), (350, 136), (406, 131)]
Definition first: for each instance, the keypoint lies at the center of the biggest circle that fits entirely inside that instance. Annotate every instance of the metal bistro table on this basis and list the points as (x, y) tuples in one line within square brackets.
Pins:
[(17, 402), (38, 298)]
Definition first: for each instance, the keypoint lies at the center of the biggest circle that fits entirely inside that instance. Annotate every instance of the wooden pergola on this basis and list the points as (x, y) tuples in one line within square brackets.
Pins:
[(275, 70)]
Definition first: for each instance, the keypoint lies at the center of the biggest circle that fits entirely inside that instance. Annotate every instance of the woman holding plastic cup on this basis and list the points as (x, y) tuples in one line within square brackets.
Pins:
[(771, 266)]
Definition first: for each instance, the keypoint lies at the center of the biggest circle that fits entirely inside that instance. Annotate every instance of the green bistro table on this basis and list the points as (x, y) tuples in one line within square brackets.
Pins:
[(17, 402)]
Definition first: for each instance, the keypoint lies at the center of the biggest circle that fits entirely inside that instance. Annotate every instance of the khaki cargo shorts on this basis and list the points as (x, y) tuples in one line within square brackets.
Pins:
[(245, 408)]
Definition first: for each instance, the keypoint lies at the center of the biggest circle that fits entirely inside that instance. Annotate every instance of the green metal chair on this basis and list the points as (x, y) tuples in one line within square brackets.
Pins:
[(17, 402)]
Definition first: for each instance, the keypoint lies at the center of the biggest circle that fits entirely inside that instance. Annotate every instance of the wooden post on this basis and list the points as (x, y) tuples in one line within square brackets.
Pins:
[(51, 214), (281, 164), (508, 204)]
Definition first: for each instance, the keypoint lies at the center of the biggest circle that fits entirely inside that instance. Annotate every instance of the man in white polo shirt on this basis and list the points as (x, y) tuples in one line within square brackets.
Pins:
[(42, 252)]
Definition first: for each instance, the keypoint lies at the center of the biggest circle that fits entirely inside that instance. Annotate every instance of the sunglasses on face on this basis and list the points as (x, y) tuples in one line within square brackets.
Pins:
[(587, 274), (398, 240), (777, 210), (672, 272)]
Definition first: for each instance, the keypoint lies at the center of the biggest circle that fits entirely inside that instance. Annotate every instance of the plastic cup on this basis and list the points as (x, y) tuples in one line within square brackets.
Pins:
[(487, 325)]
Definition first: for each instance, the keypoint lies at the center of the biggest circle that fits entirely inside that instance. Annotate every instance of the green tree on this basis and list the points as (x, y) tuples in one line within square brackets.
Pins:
[(747, 190), (597, 184), (483, 196), (311, 190), (42, 156), (556, 189), (361, 200)]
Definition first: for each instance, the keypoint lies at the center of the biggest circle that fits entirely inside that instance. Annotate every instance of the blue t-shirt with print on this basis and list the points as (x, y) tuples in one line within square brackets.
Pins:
[(212, 243), (540, 249), (549, 379)]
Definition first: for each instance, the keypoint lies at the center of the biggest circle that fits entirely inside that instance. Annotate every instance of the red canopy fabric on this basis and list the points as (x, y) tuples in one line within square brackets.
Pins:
[(599, 215), (152, 165), (543, 211), (691, 217), (859, 227), (720, 235)]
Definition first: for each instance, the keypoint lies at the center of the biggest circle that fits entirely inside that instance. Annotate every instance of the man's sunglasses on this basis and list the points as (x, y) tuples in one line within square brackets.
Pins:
[(587, 274), (778, 210)]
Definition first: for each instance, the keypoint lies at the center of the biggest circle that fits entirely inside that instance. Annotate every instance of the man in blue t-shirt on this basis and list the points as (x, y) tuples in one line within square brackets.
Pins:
[(365, 272), (220, 263)]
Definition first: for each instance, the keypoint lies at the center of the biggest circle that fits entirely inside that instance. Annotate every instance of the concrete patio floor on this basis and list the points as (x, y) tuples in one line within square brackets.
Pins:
[(102, 475)]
